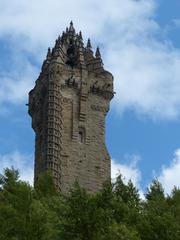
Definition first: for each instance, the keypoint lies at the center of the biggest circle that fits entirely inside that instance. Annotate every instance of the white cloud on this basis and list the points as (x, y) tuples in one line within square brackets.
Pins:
[(146, 69), (145, 66), (17, 74), (18, 161), (129, 170), (176, 22), (16, 91), (170, 175), (149, 80)]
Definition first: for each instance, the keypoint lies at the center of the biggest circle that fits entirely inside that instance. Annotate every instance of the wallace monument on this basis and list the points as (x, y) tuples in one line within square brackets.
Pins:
[(68, 106)]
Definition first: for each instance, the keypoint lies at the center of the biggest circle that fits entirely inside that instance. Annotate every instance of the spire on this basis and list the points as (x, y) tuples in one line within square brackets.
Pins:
[(56, 43), (80, 40), (59, 39), (48, 54), (71, 27), (99, 62), (80, 36), (63, 36), (98, 54), (89, 44), (89, 50), (47, 60)]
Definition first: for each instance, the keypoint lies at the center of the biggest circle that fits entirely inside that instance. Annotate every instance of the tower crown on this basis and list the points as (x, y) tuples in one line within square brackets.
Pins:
[(69, 50)]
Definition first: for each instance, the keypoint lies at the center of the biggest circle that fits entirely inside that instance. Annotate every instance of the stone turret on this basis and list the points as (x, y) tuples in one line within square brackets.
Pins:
[(68, 106)]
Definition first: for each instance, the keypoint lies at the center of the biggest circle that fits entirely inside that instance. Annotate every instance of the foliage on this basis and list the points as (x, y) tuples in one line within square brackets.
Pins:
[(115, 213)]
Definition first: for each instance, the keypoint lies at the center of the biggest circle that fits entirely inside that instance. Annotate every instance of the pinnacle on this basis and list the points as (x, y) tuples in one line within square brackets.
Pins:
[(89, 44), (98, 54), (71, 27), (59, 38), (63, 34), (80, 35), (48, 53)]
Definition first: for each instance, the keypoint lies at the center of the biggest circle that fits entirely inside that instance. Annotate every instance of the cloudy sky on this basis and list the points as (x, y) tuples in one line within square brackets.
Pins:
[(140, 45)]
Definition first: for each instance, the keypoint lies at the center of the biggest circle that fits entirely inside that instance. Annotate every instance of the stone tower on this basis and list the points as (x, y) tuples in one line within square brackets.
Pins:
[(68, 106)]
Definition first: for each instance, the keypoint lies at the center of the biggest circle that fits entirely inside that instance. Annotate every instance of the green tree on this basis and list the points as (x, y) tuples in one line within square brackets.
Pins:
[(24, 215), (15, 200), (157, 221), (45, 186), (93, 217), (128, 203), (114, 213), (79, 219)]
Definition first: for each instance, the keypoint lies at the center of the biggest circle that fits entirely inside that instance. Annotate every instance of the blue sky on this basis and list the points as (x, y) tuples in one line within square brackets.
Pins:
[(140, 45)]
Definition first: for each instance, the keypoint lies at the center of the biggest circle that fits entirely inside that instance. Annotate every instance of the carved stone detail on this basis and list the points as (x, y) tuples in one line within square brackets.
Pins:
[(99, 108)]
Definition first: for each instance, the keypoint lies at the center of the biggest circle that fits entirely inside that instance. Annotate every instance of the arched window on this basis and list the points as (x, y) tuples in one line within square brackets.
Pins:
[(81, 135)]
